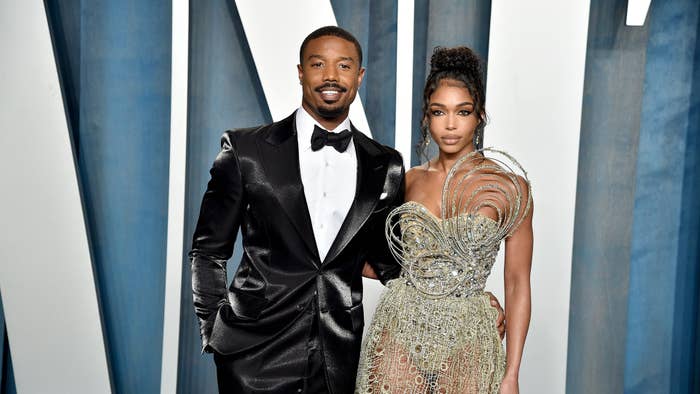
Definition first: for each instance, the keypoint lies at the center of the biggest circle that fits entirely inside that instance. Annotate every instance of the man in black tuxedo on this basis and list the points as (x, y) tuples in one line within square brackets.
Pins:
[(310, 194)]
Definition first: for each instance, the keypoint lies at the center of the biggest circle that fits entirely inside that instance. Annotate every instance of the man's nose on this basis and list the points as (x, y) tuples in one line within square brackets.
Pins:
[(330, 74)]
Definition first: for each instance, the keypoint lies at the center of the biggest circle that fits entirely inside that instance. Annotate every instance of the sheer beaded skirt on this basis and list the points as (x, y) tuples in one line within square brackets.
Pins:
[(418, 344), (434, 330)]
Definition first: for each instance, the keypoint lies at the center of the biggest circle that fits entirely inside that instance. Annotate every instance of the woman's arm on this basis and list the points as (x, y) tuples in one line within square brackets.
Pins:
[(518, 261)]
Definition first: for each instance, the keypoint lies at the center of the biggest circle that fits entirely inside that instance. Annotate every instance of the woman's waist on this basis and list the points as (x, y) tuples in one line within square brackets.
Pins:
[(405, 303), (440, 286), (421, 288)]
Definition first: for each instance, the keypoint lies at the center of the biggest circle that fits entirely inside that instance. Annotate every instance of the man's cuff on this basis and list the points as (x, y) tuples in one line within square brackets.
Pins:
[(205, 344), (205, 334), (206, 348)]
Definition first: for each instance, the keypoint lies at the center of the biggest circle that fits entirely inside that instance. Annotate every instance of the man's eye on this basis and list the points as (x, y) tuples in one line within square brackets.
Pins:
[(316, 65), (345, 66)]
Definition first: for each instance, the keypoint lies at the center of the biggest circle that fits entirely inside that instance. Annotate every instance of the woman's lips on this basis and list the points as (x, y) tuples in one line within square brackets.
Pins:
[(450, 139)]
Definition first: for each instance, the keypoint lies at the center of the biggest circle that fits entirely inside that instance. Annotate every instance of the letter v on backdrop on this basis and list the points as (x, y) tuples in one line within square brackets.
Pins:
[(46, 275)]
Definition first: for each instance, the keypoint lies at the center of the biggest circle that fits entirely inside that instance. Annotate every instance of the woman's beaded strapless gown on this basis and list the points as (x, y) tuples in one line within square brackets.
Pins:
[(434, 330)]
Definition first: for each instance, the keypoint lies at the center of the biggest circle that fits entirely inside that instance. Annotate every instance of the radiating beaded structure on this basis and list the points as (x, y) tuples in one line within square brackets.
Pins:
[(434, 330)]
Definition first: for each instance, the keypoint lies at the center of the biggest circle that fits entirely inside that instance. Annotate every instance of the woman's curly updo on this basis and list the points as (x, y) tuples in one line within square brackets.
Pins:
[(460, 64)]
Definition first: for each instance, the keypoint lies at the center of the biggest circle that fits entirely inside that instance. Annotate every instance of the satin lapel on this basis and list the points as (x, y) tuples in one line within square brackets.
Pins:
[(371, 171), (281, 162)]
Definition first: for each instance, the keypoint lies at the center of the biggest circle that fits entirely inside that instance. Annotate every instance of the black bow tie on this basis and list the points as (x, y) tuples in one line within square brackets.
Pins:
[(321, 138)]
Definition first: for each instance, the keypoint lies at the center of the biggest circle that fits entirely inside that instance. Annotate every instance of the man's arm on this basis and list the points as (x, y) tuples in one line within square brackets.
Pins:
[(382, 263), (214, 236)]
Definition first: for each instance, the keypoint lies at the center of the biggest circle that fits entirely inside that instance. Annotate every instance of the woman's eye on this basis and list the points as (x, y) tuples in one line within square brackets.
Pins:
[(436, 112), (465, 112)]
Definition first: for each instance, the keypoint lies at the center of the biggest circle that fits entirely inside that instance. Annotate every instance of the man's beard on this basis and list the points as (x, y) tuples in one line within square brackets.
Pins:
[(338, 109), (331, 112)]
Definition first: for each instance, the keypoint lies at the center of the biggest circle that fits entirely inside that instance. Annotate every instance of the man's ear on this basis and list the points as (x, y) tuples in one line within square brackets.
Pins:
[(301, 72), (360, 76)]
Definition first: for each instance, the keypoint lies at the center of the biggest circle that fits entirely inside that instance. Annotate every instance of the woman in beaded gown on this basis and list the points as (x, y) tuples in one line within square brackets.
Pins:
[(433, 330)]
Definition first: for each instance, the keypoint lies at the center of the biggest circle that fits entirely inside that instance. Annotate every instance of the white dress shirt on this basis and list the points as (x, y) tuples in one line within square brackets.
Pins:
[(329, 178)]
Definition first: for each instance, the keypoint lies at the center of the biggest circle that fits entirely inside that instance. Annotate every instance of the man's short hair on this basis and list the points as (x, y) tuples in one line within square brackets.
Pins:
[(334, 31)]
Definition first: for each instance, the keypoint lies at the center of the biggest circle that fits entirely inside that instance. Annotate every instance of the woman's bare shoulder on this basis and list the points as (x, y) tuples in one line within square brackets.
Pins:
[(415, 173)]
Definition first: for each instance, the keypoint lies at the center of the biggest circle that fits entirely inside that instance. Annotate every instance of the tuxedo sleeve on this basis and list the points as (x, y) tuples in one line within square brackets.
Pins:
[(380, 258), (214, 236)]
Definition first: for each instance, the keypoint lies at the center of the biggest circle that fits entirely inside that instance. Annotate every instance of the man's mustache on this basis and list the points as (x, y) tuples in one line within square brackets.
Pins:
[(331, 86)]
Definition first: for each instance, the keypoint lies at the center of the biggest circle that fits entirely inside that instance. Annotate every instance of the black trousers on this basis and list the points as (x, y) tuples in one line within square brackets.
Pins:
[(312, 381)]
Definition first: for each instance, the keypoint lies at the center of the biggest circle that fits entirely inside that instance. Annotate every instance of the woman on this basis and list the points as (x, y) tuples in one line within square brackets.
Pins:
[(433, 330)]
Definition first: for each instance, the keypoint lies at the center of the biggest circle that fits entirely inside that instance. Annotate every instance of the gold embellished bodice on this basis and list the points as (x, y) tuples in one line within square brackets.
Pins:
[(432, 260), (453, 254)]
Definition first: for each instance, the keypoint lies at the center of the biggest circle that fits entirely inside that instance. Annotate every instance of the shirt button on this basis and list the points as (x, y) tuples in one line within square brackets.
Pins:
[(325, 194), (298, 390), (328, 164)]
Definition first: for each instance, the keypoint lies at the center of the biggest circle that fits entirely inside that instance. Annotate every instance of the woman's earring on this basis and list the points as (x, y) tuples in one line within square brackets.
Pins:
[(426, 138)]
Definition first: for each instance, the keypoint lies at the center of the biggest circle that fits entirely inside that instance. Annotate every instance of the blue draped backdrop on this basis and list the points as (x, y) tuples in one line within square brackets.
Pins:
[(610, 124), (663, 284), (633, 324), (635, 279), (114, 65)]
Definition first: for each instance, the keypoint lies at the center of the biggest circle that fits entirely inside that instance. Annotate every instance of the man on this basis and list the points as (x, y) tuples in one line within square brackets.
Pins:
[(310, 215), (311, 205)]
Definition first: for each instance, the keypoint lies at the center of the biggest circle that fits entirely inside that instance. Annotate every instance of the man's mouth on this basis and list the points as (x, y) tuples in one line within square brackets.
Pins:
[(330, 92)]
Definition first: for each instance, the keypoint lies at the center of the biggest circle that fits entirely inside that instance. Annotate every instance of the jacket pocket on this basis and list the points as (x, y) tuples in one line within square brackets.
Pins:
[(357, 317), (247, 306)]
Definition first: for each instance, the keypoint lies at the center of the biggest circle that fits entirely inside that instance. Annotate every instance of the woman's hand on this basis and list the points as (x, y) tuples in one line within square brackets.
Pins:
[(509, 385), (501, 319), (368, 271)]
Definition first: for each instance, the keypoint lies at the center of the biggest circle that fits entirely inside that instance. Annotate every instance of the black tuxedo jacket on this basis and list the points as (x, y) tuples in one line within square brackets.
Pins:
[(263, 318)]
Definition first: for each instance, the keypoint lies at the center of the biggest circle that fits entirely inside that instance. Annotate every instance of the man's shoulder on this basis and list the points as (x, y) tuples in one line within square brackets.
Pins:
[(379, 148), (247, 135)]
